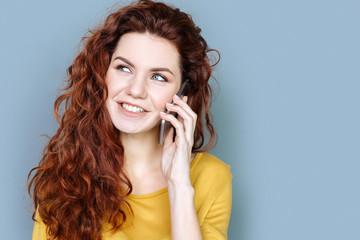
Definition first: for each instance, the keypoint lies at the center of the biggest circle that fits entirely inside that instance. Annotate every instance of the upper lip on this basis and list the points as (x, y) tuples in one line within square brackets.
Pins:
[(132, 104)]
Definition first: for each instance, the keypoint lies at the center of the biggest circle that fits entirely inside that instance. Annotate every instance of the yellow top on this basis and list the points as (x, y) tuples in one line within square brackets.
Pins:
[(211, 179)]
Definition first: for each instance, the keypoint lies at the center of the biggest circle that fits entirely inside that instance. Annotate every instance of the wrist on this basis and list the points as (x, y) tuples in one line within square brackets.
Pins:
[(180, 191), (181, 186)]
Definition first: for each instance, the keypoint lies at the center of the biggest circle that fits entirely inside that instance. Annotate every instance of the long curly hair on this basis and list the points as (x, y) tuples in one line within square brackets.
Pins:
[(80, 184)]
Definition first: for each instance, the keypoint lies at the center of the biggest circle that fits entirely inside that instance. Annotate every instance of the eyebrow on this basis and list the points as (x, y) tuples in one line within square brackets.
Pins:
[(157, 69)]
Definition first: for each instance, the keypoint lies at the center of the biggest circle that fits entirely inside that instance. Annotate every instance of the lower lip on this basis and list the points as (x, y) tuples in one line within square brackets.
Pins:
[(130, 114)]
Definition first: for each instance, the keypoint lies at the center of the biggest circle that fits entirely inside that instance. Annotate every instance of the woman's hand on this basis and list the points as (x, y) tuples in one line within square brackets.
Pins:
[(175, 165), (176, 158)]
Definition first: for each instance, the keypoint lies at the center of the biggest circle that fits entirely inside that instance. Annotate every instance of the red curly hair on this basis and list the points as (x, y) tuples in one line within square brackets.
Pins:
[(79, 183)]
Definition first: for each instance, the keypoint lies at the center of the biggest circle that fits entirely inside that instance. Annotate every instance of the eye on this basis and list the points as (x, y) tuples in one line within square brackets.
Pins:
[(123, 68), (158, 77)]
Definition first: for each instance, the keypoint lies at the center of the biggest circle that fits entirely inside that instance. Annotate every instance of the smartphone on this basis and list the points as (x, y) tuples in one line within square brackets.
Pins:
[(165, 125)]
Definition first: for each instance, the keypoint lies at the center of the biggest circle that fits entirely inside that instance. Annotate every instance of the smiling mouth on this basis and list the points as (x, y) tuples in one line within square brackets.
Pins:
[(131, 108)]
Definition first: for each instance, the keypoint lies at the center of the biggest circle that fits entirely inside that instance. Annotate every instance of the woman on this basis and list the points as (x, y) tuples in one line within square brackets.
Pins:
[(103, 174)]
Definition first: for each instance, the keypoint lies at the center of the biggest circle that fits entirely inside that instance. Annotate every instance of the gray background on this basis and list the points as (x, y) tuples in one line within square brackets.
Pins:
[(287, 110)]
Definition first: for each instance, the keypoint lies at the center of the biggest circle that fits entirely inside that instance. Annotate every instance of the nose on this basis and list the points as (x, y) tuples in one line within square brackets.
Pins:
[(137, 87)]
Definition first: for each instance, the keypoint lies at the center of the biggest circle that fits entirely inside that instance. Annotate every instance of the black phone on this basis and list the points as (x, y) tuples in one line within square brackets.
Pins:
[(165, 125)]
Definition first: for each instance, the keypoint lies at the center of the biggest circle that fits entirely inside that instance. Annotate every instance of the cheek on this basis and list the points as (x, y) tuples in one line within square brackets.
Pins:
[(111, 90), (161, 99), (113, 86), (109, 84)]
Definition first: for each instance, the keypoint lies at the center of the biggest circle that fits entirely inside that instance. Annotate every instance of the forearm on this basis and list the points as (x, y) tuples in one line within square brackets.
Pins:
[(184, 221)]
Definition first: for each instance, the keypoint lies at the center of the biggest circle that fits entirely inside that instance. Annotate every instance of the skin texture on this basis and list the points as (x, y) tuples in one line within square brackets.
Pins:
[(145, 72), (139, 84)]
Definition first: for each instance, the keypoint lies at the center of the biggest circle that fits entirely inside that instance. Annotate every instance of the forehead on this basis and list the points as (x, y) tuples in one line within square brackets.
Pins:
[(145, 49)]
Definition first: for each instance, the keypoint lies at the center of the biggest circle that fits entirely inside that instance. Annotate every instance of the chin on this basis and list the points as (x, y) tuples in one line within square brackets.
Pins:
[(136, 129)]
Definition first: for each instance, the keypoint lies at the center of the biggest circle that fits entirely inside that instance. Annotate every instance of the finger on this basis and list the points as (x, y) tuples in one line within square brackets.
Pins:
[(184, 105), (177, 125), (185, 99), (185, 118), (180, 111), (169, 138)]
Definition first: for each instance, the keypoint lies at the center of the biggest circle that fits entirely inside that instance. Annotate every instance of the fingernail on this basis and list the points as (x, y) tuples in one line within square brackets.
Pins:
[(162, 113), (170, 104), (176, 96)]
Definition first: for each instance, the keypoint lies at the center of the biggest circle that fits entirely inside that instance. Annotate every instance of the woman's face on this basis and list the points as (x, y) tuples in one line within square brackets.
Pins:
[(144, 74)]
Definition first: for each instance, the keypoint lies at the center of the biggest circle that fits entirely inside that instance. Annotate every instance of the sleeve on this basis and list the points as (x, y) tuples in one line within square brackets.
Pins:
[(40, 229), (216, 222)]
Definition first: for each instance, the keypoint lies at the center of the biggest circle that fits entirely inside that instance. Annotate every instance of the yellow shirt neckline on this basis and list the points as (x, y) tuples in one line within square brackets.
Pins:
[(164, 190)]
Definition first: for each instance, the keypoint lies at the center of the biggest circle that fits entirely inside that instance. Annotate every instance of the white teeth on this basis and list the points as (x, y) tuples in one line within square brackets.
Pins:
[(132, 108)]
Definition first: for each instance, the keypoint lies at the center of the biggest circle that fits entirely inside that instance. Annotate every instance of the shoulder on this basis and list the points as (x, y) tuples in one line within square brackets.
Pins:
[(211, 179), (206, 169)]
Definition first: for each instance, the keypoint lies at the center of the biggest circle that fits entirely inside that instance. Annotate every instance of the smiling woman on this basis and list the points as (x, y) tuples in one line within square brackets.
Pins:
[(103, 174), (143, 75)]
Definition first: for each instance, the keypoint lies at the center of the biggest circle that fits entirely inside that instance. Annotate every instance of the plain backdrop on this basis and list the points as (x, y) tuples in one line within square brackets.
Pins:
[(286, 112)]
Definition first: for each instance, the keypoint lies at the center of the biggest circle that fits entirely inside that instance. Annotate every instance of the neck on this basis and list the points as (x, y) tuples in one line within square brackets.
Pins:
[(142, 150)]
